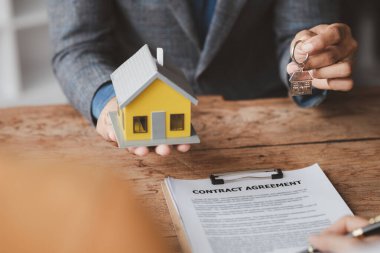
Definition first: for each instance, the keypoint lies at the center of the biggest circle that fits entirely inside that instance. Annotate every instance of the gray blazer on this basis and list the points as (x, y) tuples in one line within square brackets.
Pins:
[(244, 56)]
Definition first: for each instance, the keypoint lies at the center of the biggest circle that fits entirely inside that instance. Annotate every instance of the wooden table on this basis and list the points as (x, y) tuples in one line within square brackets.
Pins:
[(342, 135)]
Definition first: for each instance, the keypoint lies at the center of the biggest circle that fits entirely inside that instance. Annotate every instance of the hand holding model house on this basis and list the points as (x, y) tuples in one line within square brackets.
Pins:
[(152, 106)]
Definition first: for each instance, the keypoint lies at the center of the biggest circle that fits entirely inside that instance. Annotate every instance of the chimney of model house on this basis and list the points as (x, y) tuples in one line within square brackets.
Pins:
[(160, 56)]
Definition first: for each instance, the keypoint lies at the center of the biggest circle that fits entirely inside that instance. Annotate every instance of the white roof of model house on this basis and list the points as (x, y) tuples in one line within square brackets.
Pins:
[(139, 71)]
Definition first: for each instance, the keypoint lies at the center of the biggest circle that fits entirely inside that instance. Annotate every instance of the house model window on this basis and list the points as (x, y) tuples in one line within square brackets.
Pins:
[(140, 124), (177, 122)]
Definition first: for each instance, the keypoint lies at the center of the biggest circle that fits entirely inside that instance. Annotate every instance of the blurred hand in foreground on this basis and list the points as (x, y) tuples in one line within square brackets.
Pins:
[(67, 208)]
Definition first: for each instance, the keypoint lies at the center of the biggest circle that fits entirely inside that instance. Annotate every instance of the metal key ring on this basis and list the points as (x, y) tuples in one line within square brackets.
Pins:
[(300, 64)]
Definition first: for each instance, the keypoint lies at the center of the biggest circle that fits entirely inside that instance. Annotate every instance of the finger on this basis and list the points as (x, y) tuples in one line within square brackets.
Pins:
[(319, 28), (183, 148), (292, 67), (108, 120), (102, 132), (163, 150), (333, 243), (131, 150), (103, 129), (141, 151), (347, 224), (339, 84), (109, 128), (332, 35), (303, 35), (372, 239), (108, 133), (111, 135), (339, 70), (325, 58), (299, 54)]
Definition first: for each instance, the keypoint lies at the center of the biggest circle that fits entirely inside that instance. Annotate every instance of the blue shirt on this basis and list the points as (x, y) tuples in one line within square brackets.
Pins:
[(105, 93), (203, 11)]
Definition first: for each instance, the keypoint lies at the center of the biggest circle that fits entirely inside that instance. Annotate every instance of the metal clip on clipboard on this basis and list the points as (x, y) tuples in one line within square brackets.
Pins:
[(217, 179)]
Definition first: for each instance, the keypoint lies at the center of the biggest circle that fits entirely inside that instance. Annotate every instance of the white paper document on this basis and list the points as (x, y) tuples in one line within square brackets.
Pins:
[(256, 215)]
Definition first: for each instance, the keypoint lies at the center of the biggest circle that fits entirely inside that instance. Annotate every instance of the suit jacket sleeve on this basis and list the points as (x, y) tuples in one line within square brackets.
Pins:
[(293, 16), (84, 48)]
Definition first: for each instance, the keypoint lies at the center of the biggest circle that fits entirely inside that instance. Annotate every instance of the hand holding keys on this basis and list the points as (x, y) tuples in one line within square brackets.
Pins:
[(300, 80), (330, 50)]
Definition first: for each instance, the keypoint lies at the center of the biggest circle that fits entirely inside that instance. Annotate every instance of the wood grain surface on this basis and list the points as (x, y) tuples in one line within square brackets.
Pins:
[(342, 135)]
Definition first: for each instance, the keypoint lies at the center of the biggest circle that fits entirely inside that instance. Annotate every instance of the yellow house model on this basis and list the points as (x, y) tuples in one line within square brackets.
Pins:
[(154, 103)]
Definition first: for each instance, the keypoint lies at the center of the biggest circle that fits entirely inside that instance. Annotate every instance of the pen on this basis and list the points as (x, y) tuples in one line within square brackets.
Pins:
[(372, 229)]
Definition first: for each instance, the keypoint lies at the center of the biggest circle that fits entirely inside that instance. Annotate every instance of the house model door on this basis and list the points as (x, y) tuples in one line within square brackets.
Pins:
[(158, 125)]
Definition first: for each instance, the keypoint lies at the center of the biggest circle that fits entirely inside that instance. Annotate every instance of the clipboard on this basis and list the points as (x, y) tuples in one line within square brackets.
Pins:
[(177, 220), (218, 179)]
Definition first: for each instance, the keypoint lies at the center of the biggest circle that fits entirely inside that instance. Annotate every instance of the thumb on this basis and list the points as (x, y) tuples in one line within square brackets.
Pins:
[(291, 68), (104, 125), (300, 54), (109, 129), (105, 129)]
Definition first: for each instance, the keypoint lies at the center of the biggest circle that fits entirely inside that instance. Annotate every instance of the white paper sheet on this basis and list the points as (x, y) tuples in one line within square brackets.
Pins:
[(257, 216)]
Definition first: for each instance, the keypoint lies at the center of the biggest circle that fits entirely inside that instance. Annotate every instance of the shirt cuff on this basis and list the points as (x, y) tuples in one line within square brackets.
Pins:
[(104, 94), (313, 100)]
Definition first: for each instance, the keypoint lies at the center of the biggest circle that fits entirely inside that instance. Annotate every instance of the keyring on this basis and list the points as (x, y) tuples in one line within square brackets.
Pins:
[(300, 64)]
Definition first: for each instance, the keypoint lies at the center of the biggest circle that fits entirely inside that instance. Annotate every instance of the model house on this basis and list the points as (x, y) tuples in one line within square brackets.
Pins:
[(154, 102)]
